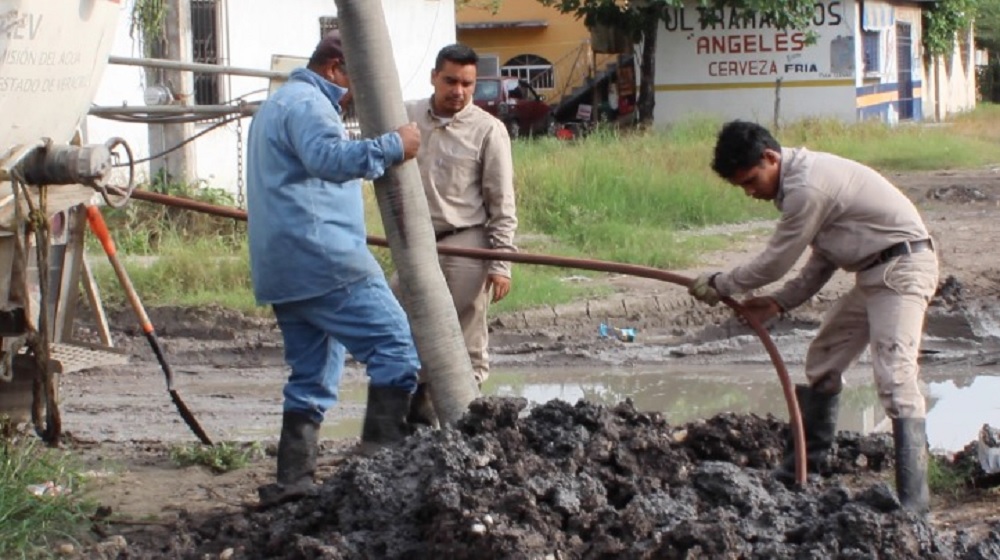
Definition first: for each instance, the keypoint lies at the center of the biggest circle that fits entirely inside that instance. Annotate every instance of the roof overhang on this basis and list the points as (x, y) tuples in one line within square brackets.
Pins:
[(515, 24)]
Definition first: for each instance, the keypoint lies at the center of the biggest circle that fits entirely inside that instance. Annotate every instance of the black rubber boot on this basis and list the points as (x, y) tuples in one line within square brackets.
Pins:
[(297, 451), (422, 408), (385, 418), (910, 438), (819, 420)]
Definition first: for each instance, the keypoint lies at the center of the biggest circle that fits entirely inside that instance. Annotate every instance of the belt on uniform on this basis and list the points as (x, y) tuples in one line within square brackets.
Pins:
[(900, 249), (439, 235)]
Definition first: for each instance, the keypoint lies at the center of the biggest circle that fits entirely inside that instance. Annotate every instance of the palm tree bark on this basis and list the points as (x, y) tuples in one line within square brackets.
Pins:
[(403, 207)]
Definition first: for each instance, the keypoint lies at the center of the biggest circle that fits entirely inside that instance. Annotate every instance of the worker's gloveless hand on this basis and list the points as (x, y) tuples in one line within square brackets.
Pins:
[(410, 135), (761, 308), (499, 285), (702, 289)]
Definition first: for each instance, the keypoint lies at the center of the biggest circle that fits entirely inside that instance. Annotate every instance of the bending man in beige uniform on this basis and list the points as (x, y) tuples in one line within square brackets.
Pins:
[(465, 163), (854, 219)]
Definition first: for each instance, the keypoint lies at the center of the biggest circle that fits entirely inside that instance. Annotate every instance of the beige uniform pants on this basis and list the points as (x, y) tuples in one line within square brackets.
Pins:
[(466, 279), (885, 310)]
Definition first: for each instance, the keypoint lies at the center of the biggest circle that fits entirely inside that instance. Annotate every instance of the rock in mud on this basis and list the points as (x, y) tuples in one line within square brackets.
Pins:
[(583, 481)]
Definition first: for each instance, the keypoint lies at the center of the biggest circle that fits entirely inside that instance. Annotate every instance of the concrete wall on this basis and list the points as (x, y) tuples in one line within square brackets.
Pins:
[(251, 32), (951, 82)]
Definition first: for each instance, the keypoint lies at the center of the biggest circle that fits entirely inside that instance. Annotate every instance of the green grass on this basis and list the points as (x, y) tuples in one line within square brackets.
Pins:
[(903, 148), (29, 524), (948, 478), (206, 271), (626, 198), (220, 458)]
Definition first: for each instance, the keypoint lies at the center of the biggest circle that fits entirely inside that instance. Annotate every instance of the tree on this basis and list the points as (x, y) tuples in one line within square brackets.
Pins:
[(403, 207), (642, 19), (988, 25), (943, 20)]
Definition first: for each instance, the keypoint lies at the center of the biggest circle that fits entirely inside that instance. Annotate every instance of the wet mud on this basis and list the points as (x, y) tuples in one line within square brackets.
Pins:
[(584, 481)]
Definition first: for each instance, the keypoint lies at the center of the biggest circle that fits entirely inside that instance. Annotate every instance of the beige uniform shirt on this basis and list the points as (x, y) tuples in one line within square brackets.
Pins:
[(844, 210), (468, 174)]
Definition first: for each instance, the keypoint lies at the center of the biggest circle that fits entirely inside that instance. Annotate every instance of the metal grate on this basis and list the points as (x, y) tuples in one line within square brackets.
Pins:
[(67, 358), (205, 49)]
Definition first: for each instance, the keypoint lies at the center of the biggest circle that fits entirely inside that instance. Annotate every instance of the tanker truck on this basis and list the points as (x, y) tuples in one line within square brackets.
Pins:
[(52, 56)]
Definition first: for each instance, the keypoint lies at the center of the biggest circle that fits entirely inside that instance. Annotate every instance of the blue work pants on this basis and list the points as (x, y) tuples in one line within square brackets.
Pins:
[(363, 318)]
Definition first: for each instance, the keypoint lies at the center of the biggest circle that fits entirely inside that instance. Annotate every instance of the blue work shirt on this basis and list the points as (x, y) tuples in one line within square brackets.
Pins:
[(304, 196)]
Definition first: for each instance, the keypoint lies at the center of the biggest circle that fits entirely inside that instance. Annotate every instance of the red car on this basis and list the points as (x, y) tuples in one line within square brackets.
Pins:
[(516, 104)]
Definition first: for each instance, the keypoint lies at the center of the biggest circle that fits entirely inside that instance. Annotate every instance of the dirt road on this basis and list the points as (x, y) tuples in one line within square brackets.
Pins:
[(230, 367)]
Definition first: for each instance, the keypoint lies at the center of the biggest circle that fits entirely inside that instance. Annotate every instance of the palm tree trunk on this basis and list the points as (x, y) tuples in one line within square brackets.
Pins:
[(403, 207)]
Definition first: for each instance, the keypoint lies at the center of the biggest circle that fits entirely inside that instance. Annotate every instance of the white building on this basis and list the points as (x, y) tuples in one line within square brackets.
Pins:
[(246, 34), (867, 63)]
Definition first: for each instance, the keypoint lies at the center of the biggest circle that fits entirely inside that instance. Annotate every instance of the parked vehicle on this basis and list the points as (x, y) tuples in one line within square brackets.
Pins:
[(516, 104)]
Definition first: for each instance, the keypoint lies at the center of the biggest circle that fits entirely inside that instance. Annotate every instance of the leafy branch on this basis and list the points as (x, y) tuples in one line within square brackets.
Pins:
[(942, 22), (149, 19)]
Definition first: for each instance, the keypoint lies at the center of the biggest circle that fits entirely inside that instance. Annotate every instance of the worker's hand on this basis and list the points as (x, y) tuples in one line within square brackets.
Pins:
[(762, 308), (703, 290), (410, 135), (499, 285)]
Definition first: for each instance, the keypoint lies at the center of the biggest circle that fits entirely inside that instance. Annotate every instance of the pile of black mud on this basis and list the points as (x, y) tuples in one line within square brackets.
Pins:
[(585, 481)]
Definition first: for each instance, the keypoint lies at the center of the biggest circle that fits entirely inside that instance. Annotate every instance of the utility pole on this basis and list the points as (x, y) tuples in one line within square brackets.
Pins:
[(179, 165)]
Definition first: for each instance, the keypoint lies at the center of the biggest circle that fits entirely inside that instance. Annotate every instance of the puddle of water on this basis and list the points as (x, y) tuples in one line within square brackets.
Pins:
[(958, 408), (681, 396), (958, 404)]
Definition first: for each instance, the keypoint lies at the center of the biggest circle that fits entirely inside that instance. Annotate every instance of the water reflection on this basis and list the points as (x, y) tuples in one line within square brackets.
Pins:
[(958, 402), (679, 396), (957, 407), (960, 408)]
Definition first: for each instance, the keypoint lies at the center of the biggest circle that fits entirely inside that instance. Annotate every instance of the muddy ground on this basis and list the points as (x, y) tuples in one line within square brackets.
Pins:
[(561, 481)]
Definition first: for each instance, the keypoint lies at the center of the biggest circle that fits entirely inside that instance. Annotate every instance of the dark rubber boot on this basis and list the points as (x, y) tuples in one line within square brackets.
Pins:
[(385, 418), (422, 409), (819, 420), (297, 451), (910, 438)]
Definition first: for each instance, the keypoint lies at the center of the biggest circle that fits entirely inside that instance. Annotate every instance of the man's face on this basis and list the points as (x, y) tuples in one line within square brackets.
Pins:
[(454, 85), (760, 181)]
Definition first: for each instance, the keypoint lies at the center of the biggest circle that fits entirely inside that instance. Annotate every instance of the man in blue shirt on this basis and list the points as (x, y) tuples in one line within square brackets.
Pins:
[(310, 262)]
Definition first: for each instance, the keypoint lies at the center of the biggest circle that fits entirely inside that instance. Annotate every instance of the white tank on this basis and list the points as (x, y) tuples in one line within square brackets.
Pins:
[(52, 56)]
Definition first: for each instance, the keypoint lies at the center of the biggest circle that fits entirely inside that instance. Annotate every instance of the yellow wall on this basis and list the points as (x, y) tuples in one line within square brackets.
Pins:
[(565, 41)]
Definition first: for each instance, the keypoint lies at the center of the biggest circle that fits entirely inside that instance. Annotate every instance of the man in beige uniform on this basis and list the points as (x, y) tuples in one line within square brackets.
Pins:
[(856, 220), (468, 175)]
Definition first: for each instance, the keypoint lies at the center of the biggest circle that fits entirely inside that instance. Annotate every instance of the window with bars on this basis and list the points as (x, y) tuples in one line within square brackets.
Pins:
[(534, 69), (205, 49), (870, 43)]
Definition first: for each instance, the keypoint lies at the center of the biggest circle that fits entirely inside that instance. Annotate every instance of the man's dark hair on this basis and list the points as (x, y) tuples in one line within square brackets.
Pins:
[(329, 48), (458, 53), (741, 145)]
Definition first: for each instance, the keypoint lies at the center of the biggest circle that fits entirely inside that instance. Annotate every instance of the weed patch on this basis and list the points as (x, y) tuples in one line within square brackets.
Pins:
[(220, 458)]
